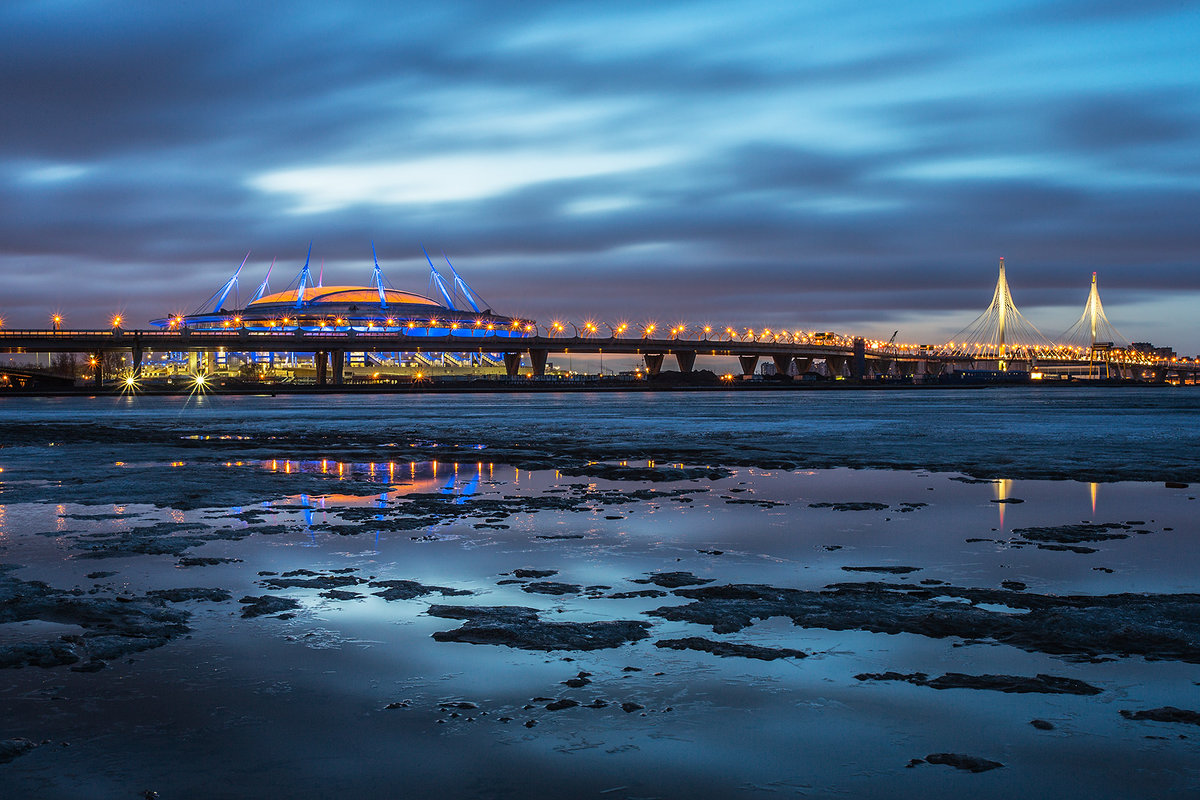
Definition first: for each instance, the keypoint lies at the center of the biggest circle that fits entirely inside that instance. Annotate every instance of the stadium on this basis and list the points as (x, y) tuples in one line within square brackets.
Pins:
[(309, 305)]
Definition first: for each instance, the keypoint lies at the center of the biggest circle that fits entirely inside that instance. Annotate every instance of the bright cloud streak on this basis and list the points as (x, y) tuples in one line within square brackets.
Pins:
[(441, 179)]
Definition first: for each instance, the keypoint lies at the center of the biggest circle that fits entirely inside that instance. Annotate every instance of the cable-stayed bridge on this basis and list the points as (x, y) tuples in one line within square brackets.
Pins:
[(1002, 338)]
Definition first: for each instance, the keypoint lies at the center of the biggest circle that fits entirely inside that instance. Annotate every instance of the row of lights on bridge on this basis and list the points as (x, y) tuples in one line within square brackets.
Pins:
[(178, 322), (588, 329)]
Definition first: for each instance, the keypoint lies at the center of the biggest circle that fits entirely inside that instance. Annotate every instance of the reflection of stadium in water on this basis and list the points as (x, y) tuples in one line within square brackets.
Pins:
[(401, 478), (455, 480)]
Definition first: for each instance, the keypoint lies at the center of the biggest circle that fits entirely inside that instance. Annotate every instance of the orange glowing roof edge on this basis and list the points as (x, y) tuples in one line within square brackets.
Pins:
[(345, 294)]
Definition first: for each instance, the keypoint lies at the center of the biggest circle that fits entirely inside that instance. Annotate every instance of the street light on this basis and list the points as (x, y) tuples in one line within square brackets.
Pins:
[(56, 321)]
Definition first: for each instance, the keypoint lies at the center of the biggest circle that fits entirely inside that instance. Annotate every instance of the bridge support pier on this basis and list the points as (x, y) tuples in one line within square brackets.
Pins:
[(338, 357), (537, 359), (654, 363), (803, 365), (98, 371), (860, 359), (512, 364), (321, 361), (783, 364), (748, 364), (836, 366), (686, 359), (137, 361)]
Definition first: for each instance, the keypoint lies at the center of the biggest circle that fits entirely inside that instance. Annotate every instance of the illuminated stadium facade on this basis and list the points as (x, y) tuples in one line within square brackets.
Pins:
[(305, 305)]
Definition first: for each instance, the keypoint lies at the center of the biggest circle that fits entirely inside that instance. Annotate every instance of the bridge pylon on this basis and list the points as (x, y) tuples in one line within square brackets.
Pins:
[(1093, 328), (1001, 333)]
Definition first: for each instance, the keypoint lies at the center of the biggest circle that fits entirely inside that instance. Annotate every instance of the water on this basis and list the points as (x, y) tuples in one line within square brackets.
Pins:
[(459, 492)]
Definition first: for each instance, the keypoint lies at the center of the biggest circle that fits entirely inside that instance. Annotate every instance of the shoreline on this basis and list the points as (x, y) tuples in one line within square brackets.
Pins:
[(542, 388)]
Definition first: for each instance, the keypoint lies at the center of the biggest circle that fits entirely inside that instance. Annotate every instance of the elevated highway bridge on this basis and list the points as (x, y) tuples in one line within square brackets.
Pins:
[(329, 348), (854, 358)]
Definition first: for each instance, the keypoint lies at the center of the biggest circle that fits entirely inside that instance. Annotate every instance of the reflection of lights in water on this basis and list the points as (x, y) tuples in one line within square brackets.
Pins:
[(178, 516), (1003, 488), (4, 519), (1093, 487), (425, 476)]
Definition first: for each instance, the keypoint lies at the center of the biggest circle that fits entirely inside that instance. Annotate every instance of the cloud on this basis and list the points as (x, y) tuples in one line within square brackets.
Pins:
[(441, 179)]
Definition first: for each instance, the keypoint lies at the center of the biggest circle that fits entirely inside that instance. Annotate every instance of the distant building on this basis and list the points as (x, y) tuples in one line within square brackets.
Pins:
[(1150, 349)]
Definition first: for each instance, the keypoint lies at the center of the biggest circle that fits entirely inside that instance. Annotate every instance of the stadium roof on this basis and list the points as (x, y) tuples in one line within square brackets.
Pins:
[(344, 295)]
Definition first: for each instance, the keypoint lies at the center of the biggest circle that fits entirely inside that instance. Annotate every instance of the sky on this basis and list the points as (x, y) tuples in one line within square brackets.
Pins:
[(856, 167)]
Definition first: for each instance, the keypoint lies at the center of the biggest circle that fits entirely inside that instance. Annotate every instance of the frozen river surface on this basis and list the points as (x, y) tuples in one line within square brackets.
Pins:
[(601, 596)]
